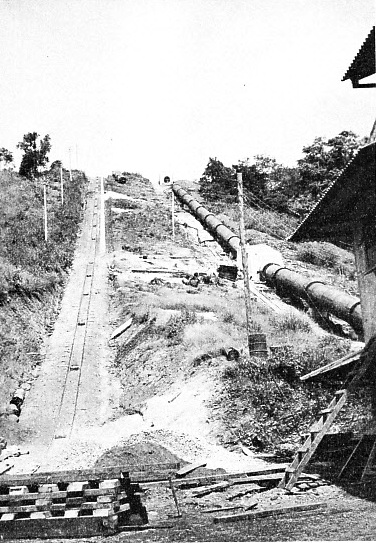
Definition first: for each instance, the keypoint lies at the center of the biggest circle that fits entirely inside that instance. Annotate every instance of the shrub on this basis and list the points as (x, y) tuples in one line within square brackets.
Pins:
[(174, 328), (327, 255), (268, 405), (297, 322)]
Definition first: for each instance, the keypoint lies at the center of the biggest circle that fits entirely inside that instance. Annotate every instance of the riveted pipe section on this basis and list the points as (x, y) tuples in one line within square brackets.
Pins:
[(224, 235), (324, 297)]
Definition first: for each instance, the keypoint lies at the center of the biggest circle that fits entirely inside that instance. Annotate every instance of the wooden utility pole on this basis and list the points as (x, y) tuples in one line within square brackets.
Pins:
[(247, 294), (70, 164), (102, 232), (45, 210), (61, 185), (173, 213)]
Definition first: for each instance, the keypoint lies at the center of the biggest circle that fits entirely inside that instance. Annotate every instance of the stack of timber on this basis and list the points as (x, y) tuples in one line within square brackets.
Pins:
[(80, 503)]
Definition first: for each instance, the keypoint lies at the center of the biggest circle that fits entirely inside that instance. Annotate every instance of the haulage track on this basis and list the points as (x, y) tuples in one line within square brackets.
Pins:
[(70, 394)]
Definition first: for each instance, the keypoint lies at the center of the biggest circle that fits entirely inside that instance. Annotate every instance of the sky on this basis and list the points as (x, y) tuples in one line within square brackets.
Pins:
[(159, 86)]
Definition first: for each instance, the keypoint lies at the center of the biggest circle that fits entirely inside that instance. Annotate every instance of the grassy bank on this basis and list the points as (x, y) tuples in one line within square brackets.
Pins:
[(32, 270)]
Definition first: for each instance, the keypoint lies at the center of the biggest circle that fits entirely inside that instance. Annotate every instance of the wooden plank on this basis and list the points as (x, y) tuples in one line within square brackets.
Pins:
[(350, 358), (153, 467), (77, 488), (177, 273), (367, 471), (56, 527), (147, 477), (7, 498), (104, 512), (6, 467), (109, 483), (97, 505), (93, 474), (317, 432), (71, 513), (7, 516), (251, 490), (217, 487), (103, 492), (116, 333), (189, 468), (40, 514), (270, 512), (271, 475), (220, 509)]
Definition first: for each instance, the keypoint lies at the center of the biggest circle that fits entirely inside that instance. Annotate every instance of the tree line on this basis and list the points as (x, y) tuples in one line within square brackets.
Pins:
[(286, 189), (35, 154)]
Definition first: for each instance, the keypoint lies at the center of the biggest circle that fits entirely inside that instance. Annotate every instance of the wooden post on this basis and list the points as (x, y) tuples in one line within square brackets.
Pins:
[(45, 211), (247, 294), (61, 185), (174, 496), (173, 214), (102, 232)]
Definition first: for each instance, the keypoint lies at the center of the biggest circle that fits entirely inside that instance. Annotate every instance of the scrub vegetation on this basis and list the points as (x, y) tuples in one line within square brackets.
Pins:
[(32, 270)]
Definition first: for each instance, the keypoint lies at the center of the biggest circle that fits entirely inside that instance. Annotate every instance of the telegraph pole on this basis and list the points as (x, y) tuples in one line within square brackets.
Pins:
[(45, 210), (61, 185), (70, 164), (247, 294), (173, 213), (102, 233)]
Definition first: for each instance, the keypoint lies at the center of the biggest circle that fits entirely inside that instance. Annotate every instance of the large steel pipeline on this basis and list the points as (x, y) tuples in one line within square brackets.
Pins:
[(288, 282), (316, 293), (224, 235)]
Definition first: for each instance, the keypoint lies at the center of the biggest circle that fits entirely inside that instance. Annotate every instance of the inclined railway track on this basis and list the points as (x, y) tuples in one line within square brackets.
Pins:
[(69, 400), (67, 393)]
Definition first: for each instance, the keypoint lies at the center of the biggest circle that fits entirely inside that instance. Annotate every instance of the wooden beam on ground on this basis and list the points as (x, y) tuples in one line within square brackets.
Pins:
[(217, 487), (116, 333), (221, 509), (270, 512), (189, 468), (58, 527), (269, 479)]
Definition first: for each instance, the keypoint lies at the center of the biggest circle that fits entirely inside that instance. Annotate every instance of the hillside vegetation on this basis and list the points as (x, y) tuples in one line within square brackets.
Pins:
[(32, 271), (262, 407)]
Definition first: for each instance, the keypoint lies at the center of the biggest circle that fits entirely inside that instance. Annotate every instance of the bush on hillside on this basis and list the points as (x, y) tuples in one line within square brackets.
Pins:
[(28, 263), (326, 255), (268, 405)]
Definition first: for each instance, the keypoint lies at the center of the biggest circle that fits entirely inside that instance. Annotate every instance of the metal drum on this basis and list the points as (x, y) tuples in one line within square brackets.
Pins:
[(258, 345)]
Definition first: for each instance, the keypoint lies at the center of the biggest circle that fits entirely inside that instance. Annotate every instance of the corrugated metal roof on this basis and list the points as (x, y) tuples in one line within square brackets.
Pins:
[(364, 63), (332, 217)]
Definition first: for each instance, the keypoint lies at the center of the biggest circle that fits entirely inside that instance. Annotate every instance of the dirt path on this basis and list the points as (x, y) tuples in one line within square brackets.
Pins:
[(72, 393)]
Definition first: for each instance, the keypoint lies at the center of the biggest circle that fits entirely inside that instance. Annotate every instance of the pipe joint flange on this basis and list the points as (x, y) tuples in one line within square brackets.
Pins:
[(353, 307), (277, 271), (306, 287), (206, 216)]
